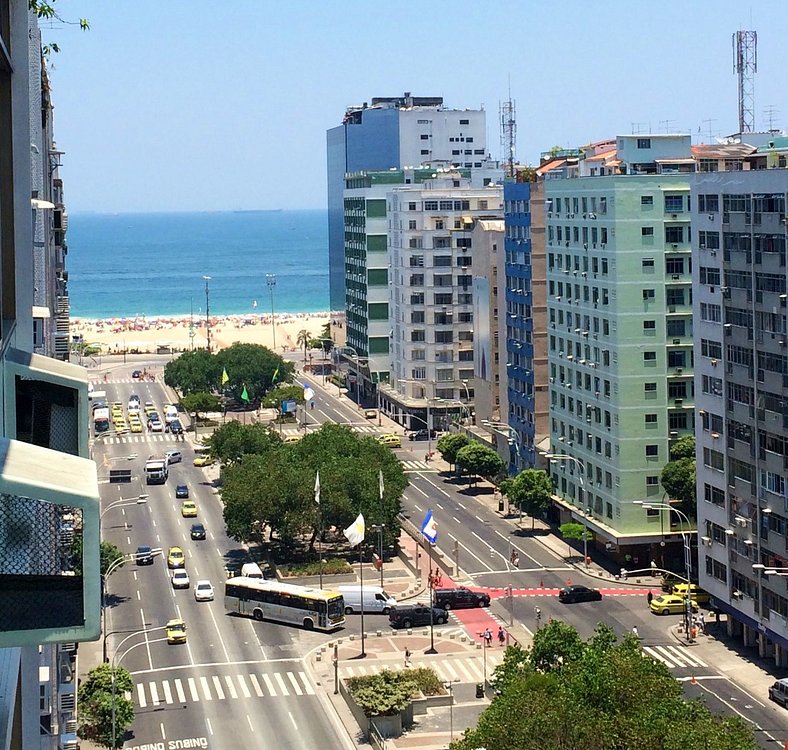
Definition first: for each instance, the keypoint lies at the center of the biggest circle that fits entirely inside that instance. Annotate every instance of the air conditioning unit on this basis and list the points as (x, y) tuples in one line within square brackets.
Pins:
[(743, 522), (676, 276), (714, 363), (675, 245)]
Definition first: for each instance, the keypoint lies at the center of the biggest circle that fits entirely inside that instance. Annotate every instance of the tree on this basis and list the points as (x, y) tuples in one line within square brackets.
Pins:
[(684, 447), (479, 460), (573, 531), (95, 697), (678, 479), (253, 367), (530, 491), (200, 402), (232, 441), (108, 555), (449, 445), (273, 399), (193, 372), (304, 340)]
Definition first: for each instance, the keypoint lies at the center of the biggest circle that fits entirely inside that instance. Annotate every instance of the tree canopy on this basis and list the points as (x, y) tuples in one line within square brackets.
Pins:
[(283, 392), (95, 698), (479, 460), (449, 445), (575, 532), (684, 447), (601, 694), (274, 485), (679, 474), (232, 441), (530, 491)]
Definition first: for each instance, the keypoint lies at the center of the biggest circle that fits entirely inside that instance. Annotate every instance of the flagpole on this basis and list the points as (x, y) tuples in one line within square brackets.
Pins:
[(431, 579), (320, 525), (361, 586)]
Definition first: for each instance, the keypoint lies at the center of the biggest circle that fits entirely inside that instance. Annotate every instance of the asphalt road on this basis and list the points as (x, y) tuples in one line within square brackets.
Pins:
[(235, 681)]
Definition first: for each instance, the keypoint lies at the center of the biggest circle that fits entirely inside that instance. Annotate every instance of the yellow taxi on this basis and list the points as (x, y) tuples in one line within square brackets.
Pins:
[(149, 408), (696, 592), (203, 460), (120, 424), (391, 440), (290, 439), (189, 509), (670, 604), (176, 558), (135, 425), (117, 409), (176, 631)]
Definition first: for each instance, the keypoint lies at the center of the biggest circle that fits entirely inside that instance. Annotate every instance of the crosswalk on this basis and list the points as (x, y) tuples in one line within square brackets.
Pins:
[(151, 437), (674, 657), (220, 687), (465, 669), (417, 466)]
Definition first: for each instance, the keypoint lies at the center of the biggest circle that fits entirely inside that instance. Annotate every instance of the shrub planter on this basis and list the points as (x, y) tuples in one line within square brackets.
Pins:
[(424, 702), (340, 578)]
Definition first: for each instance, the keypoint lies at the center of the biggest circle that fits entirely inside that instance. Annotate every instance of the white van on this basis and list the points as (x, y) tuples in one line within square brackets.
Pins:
[(170, 413), (251, 570), (376, 600)]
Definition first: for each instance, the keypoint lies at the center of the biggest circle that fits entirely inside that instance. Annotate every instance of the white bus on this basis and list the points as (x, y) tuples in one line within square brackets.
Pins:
[(313, 609)]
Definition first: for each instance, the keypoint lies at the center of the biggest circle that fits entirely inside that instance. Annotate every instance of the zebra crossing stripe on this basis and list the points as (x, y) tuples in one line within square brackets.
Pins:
[(468, 673), (269, 685), (154, 694), (668, 657), (141, 695), (179, 691), (307, 684), (217, 683), (167, 692), (206, 690), (256, 685), (230, 686), (193, 689), (295, 684), (242, 684), (281, 683)]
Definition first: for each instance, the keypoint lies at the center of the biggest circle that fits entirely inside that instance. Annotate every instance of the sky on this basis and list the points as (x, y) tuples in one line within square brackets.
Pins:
[(205, 106)]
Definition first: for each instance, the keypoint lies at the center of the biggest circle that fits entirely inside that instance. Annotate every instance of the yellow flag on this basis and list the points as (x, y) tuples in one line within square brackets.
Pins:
[(225, 376)]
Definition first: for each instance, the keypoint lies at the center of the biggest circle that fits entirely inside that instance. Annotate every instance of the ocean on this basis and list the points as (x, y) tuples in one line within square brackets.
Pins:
[(124, 265)]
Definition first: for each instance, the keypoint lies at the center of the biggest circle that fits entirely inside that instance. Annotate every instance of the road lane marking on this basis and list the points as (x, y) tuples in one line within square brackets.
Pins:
[(457, 520), (193, 689), (154, 694), (217, 684), (207, 665), (208, 722), (244, 688), (450, 669), (460, 505), (230, 686), (147, 643), (139, 598), (461, 545), (418, 489), (256, 685), (281, 683), (269, 684), (179, 690), (295, 684), (522, 552), (141, 695), (167, 692), (249, 719), (307, 684), (218, 632), (295, 726), (206, 690), (436, 486), (440, 507)]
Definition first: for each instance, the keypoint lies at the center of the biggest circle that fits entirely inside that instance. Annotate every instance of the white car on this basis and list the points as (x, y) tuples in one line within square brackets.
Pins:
[(155, 425), (180, 579), (203, 591), (173, 457)]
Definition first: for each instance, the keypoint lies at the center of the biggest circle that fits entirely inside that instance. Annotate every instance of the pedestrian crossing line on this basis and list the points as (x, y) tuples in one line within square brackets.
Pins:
[(193, 689), (179, 691), (154, 694), (467, 669), (217, 683), (256, 685), (673, 657), (167, 692), (307, 684), (244, 688), (206, 690), (294, 682), (453, 674), (230, 686), (141, 695), (269, 685), (282, 685)]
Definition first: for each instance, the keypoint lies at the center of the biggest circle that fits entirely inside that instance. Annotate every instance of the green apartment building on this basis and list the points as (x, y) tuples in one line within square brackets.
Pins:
[(620, 359)]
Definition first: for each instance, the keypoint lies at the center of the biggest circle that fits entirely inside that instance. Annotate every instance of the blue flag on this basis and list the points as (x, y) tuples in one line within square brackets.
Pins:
[(429, 529)]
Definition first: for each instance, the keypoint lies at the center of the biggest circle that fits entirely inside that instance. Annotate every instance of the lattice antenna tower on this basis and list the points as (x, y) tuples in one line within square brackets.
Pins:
[(508, 134), (745, 64)]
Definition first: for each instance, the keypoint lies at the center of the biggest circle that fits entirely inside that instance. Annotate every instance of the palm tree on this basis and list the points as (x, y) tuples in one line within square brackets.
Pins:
[(303, 339)]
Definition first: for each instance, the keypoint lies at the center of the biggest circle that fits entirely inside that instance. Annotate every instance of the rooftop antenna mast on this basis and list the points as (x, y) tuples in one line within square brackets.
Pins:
[(508, 134), (745, 64)]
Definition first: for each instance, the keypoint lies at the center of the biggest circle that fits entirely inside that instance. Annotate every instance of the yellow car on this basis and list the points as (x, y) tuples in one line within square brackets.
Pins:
[(176, 631), (696, 592), (288, 439), (150, 408), (117, 409), (391, 440), (135, 425), (670, 604), (189, 509), (176, 558), (120, 425), (204, 460)]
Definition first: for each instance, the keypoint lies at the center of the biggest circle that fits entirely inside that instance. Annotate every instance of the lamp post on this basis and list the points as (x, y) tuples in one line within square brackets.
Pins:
[(207, 313), (513, 438), (687, 555), (464, 384), (270, 280), (577, 462)]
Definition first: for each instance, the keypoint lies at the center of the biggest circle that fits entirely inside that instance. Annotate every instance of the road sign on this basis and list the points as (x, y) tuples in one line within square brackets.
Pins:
[(119, 476)]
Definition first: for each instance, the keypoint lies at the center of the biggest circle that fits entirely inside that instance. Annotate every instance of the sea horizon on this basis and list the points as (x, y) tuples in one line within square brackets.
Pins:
[(126, 265)]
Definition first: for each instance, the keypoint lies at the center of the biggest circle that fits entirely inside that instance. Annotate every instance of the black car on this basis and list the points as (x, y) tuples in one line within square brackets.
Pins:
[(416, 615), (460, 598), (175, 427), (181, 491), (144, 555), (570, 594), (423, 434), (137, 374), (198, 531)]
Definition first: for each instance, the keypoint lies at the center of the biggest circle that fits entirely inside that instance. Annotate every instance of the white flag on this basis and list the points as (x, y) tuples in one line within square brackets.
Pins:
[(309, 394), (355, 532), (317, 487), (380, 483)]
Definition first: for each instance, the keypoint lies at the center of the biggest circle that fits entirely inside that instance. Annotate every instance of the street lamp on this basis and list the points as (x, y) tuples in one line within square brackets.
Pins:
[(513, 438), (687, 555), (207, 314), (579, 464), (141, 500), (270, 280)]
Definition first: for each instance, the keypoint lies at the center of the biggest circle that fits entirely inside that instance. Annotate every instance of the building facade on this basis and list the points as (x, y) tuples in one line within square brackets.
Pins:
[(741, 356), (620, 346), (393, 133)]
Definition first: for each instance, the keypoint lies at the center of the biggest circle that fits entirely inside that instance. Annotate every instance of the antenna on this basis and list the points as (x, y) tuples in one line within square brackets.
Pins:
[(508, 133), (771, 115), (745, 65), (709, 121)]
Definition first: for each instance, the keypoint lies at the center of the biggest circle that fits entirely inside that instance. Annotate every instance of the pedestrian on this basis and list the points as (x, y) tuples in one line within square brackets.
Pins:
[(635, 631), (407, 657), (501, 635), (538, 613), (654, 568), (650, 598), (488, 637), (702, 622), (311, 404), (516, 560)]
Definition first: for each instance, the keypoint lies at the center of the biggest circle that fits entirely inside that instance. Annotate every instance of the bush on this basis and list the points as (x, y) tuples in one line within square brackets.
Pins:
[(332, 566), (387, 693)]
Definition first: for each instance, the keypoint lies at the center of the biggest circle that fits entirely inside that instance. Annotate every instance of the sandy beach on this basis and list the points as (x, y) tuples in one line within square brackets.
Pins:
[(151, 333)]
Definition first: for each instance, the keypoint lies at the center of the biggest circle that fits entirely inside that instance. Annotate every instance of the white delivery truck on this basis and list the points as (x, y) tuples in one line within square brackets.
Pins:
[(376, 600), (156, 470)]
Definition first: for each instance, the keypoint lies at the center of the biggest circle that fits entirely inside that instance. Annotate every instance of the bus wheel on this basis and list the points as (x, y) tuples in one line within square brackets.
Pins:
[(308, 624), (258, 615)]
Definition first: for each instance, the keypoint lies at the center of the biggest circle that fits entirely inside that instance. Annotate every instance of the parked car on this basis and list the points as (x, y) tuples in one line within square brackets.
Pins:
[(176, 631), (371, 413), (670, 604), (203, 591), (576, 593), (696, 592), (197, 531), (181, 491), (144, 555), (460, 598), (669, 580), (180, 579), (204, 460), (416, 615), (423, 434), (778, 692)]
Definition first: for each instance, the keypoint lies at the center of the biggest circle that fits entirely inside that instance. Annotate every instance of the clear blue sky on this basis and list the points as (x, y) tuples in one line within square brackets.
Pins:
[(173, 105)]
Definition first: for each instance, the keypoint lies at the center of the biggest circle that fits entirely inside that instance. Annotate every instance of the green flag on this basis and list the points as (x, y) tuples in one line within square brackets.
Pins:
[(275, 375), (245, 395), (225, 376)]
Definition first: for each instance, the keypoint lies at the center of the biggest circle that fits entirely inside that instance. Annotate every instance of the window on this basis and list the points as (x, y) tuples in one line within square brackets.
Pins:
[(646, 231), (708, 203), (649, 356), (647, 263), (424, 137), (649, 325), (411, 206), (430, 205), (649, 387), (674, 235), (674, 204), (444, 337), (417, 261), (417, 316), (412, 224), (417, 336), (425, 152), (710, 313), (650, 418), (649, 295), (644, 142), (710, 276), (712, 349), (465, 122), (652, 481), (646, 200), (419, 373), (652, 451)]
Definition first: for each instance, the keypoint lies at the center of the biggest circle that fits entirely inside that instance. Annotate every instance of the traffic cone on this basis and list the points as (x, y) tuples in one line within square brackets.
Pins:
[(541, 584), (693, 681)]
